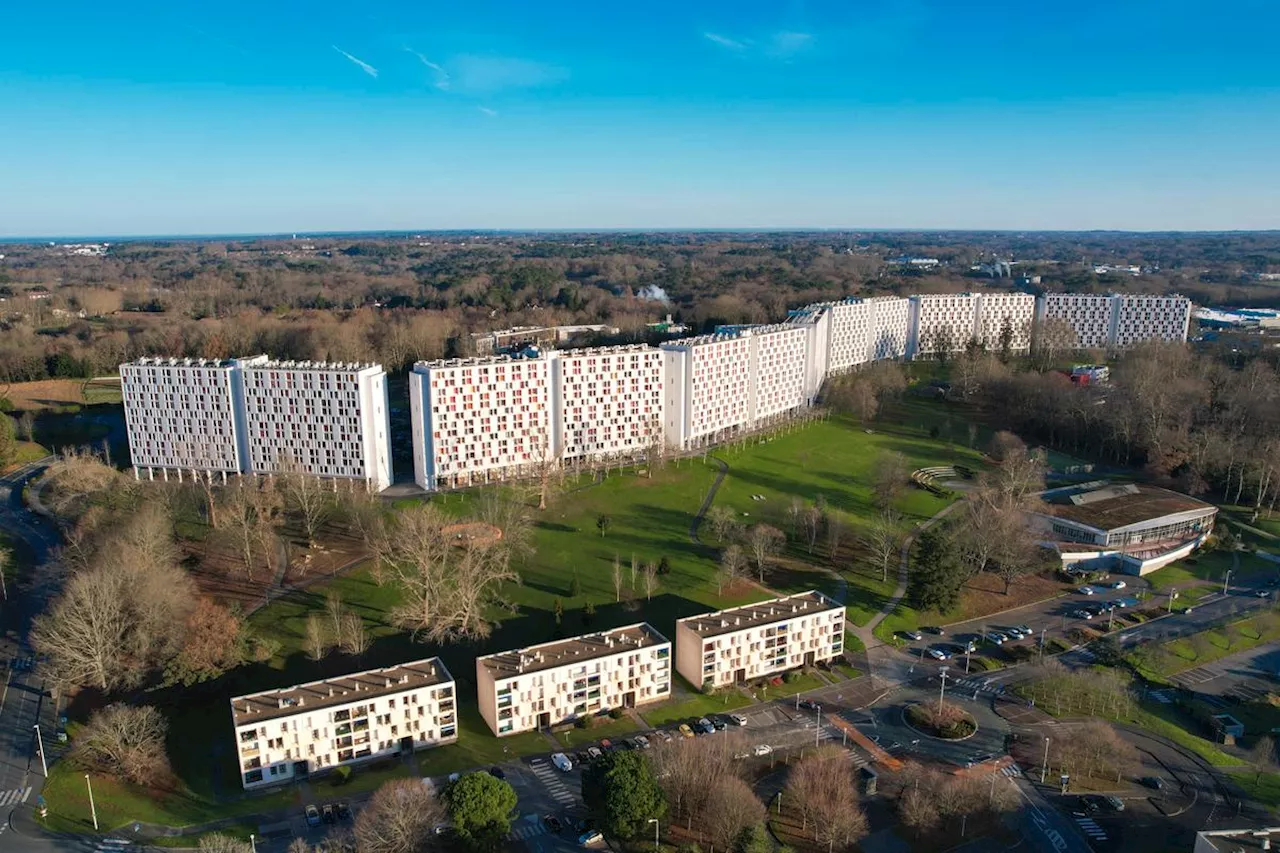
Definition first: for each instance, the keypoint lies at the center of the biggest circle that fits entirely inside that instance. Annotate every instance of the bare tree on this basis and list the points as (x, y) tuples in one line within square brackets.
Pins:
[(822, 787), (249, 514), (736, 808), (1262, 756), (217, 842), (889, 478), (617, 579), (764, 541), (650, 579), (733, 567), (306, 497), (317, 638), (883, 541), (353, 638), (125, 741), (722, 520), (835, 533), (400, 817)]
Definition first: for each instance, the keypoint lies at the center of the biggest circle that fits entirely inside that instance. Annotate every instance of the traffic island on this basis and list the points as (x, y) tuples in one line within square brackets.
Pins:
[(940, 720)]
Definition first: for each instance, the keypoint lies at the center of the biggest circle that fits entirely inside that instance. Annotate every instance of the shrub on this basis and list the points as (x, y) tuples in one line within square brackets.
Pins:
[(342, 775), (790, 677), (615, 713)]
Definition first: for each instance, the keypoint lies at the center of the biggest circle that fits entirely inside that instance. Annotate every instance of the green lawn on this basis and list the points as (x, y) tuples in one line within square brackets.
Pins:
[(1264, 788), (1210, 566), (695, 705), (846, 671), (803, 682), (577, 738), (1174, 656)]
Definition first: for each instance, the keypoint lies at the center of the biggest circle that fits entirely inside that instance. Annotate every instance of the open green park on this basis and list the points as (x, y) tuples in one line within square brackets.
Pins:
[(651, 519)]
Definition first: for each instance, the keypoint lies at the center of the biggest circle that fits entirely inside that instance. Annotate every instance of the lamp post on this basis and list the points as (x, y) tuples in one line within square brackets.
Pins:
[(40, 745), (1173, 593), (1044, 768), (1226, 580), (92, 809), (942, 688), (253, 844), (656, 827), (817, 729)]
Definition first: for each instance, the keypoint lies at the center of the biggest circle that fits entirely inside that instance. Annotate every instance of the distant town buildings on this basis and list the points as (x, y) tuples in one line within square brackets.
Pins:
[(257, 416), (759, 640), (1259, 318), (286, 734), (554, 683), (492, 343)]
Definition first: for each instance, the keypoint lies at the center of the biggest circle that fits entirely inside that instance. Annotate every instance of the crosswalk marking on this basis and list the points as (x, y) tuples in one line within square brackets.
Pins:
[(1013, 771), (1091, 828), (550, 779), (12, 798), (980, 685), (1164, 697), (529, 831)]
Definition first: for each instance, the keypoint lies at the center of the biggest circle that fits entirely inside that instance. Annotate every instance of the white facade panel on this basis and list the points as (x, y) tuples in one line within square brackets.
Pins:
[(780, 358), (608, 401), (1006, 314), (180, 414), (1150, 318), (943, 323), (1090, 315)]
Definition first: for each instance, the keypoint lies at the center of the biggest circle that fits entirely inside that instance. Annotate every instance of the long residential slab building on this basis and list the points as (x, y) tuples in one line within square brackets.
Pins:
[(556, 683), (478, 420), (189, 417), (287, 734)]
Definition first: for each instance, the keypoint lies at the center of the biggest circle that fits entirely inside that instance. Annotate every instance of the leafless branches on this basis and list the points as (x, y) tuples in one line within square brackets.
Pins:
[(124, 741), (399, 818)]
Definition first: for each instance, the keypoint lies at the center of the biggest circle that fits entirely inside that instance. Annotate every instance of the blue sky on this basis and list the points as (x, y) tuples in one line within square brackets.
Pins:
[(151, 117)]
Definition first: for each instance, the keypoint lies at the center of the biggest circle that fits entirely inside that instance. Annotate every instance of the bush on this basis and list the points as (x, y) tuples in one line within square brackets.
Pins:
[(948, 721), (6, 405), (584, 722), (790, 677), (342, 775), (615, 713)]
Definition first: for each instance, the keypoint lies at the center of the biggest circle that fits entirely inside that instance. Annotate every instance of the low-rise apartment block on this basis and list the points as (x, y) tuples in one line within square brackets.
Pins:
[(285, 734), (757, 640), (554, 683), (479, 419)]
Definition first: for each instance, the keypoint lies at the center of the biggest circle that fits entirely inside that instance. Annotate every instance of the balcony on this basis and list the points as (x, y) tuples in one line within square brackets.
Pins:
[(341, 716), (251, 752), (359, 726), (343, 742), (344, 729)]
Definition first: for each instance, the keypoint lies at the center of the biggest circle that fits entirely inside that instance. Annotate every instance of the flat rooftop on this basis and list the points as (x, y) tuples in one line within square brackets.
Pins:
[(575, 649), (1108, 506), (162, 361), (1233, 840), (370, 684), (326, 366), (764, 613)]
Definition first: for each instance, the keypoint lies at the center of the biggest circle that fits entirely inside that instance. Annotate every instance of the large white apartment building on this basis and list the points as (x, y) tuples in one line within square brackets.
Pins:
[(329, 419), (708, 388), (479, 419), (1006, 313), (757, 640), (942, 322), (257, 416), (605, 402), (853, 332), (285, 734), (1117, 321), (180, 415), (1150, 318), (555, 683), (780, 358)]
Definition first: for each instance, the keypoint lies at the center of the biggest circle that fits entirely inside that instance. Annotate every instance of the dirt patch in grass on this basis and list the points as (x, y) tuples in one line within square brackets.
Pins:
[(984, 594), (57, 393)]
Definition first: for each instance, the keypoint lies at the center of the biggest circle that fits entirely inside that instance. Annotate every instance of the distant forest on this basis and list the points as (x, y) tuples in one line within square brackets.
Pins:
[(396, 299)]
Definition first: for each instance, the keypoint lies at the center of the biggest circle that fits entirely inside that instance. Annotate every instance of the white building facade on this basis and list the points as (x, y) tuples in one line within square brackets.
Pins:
[(321, 418), (758, 640), (287, 734), (1150, 318), (555, 683), (708, 388), (256, 416), (943, 323), (1006, 316), (606, 402), (180, 415), (478, 420)]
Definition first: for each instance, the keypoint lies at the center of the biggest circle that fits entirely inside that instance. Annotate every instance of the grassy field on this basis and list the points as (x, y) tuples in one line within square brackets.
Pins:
[(650, 520), (1174, 656), (61, 394), (1263, 788)]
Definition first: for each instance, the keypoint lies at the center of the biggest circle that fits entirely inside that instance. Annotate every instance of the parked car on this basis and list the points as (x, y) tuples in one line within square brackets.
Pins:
[(327, 813), (1115, 802), (938, 654), (810, 705), (590, 837), (1116, 585), (606, 745), (996, 637), (685, 730), (913, 635), (454, 777), (1185, 610), (663, 735), (936, 629), (704, 727), (1154, 782), (1087, 590), (719, 724), (1082, 614), (737, 719), (562, 762), (1262, 593), (313, 816), (344, 812), (1126, 602), (496, 772), (762, 749), (627, 744), (593, 752), (553, 824), (969, 646), (642, 742), (583, 825), (1025, 630)]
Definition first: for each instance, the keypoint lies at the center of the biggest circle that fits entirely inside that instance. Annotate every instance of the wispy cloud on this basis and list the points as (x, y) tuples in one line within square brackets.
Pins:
[(364, 66), (443, 79), (726, 42), (488, 112)]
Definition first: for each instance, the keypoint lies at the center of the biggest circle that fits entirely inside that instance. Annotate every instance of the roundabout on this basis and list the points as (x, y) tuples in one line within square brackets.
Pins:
[(940, 721)]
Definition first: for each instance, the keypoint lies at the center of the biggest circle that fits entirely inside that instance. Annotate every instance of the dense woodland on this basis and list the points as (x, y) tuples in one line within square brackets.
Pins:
[(395, 299)]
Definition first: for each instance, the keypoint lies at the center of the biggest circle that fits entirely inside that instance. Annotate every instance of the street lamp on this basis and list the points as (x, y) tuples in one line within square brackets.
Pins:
[(92, 809), (942, 688), (1226, 581), (40, 745), (1173, 593), (656, 827), (817, 729), (1044, 768), (253, 844)]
